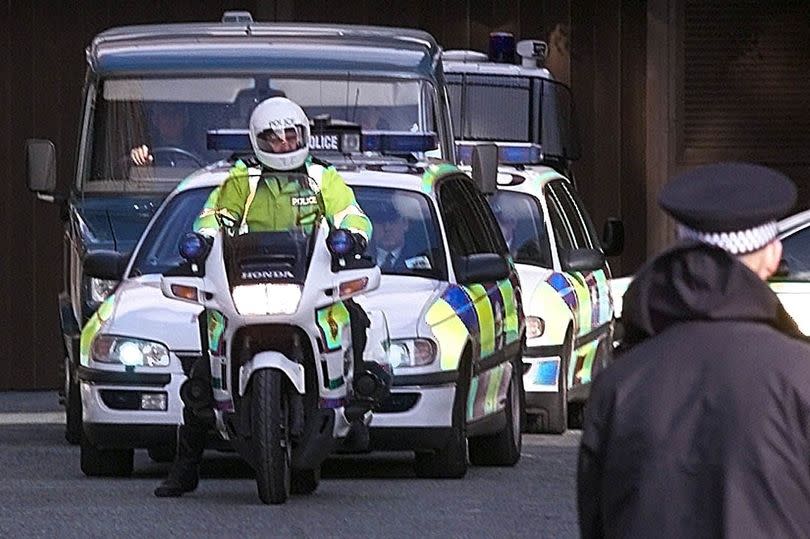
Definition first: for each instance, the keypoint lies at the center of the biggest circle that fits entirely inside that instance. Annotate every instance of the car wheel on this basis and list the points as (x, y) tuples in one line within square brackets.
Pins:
[(450, 462), (98, 462), (503, 448), (554, 418), (73, 407)]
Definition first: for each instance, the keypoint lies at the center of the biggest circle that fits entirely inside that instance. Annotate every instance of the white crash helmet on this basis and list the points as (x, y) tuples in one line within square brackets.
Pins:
[(277, 118)]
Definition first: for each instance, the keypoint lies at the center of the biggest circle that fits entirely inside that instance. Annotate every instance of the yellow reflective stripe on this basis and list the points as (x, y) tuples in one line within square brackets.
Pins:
[(449, 331), (547, 303), (486, 319), (583, 301), (331, 321), (471, 397), (510, 314), (589, 351), (494, 384), (92, 327), (352, 218)]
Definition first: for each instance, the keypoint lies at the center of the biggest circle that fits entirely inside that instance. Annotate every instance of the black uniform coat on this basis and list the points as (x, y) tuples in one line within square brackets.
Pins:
[(701, 427)]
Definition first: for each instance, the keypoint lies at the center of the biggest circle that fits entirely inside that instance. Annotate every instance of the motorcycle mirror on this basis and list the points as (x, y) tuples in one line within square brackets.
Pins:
[(194, 247)]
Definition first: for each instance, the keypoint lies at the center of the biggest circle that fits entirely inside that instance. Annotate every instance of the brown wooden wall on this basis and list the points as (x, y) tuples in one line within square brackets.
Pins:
[(598, 47)]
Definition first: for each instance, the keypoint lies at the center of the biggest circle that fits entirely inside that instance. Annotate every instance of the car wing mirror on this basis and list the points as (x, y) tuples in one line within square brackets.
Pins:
[(613, 237), (481, 268), (109, 265), (583, 259)]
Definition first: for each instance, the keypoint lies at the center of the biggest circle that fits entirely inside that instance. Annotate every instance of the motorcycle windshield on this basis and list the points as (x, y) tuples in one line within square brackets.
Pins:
[(269, 257)]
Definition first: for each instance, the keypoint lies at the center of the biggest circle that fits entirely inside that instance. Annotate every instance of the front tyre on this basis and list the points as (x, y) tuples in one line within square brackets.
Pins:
[(73, 407), (96, 462), (503, 448), (270, 413), (450, 462)]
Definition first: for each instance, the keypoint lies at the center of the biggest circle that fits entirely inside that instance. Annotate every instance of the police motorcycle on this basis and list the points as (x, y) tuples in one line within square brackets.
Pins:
[(282, 382)]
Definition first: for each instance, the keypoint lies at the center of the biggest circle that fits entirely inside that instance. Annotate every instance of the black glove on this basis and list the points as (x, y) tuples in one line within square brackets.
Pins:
[(360, 243)]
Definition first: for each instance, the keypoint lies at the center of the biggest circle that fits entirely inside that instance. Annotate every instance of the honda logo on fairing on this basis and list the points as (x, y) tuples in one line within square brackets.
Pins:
[(267, 274)]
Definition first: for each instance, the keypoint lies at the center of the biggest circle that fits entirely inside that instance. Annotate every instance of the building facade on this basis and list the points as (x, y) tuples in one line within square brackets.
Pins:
[(658, 85)]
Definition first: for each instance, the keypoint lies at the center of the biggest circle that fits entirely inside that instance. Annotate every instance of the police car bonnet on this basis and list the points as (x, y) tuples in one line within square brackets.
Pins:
[(733, 206)]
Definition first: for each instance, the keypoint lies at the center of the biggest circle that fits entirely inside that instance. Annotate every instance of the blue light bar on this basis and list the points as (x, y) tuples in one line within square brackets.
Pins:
[(508, 154), (399, 142), (384, 142), (234, 140)]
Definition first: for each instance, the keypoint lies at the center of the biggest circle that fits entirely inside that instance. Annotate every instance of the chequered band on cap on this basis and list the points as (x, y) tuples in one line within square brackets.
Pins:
[(737, 242)]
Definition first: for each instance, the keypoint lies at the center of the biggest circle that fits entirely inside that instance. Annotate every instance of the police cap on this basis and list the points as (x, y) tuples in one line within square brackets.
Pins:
[(733, 206)]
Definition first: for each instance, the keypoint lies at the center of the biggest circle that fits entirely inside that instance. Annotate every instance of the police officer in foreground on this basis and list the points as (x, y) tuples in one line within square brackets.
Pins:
[(701, 426), (283, 187)]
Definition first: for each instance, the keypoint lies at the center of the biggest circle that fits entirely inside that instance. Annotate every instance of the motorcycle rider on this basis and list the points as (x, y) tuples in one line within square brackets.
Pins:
[(281, 187)]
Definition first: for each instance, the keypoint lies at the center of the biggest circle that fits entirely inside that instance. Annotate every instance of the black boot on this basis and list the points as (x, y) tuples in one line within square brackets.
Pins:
[(185, 473), (172, 487)]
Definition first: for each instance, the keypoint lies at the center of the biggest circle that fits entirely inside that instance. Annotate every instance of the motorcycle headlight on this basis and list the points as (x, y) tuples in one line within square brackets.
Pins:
[(411, 353), (99, 289), (128, 351), (268, 298)]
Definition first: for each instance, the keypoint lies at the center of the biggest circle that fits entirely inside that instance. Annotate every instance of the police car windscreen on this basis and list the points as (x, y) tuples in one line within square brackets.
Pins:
[(159, 251)]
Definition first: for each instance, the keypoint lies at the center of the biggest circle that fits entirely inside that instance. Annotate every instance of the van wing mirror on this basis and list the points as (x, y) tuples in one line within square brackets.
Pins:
[(40, 166), (613, 237), (109, 265), (485, 167)]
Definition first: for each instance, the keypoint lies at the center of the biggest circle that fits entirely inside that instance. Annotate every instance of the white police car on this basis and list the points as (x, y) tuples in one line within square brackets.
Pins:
[(559, 257), (452, 299)]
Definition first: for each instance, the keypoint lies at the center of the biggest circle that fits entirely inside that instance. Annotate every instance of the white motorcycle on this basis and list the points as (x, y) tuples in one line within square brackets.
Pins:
[(282, 382)]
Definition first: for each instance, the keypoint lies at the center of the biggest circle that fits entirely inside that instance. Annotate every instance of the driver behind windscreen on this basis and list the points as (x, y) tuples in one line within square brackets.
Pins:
[(169, 131), (281, 188)]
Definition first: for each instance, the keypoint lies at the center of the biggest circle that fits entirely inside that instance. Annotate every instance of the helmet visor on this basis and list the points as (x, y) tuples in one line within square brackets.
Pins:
[(287, 140)]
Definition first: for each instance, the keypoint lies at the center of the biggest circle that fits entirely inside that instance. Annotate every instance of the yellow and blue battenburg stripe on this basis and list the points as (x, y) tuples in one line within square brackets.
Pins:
[(483, 314)]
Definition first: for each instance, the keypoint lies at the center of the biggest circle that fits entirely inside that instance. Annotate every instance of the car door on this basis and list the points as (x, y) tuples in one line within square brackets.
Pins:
[(573, 229), (491, 310)]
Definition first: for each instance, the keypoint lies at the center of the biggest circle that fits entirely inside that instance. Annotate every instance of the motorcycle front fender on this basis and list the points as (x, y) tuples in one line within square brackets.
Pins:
[(272, 360)]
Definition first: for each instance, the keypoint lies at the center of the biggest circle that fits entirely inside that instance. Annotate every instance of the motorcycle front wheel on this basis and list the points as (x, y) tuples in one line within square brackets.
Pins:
[(270, 415)]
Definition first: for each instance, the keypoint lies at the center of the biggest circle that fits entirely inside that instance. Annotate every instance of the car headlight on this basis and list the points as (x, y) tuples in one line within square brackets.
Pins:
[(268, 298), (128, 351), (99, 289), (535, 327), (412, 353)]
